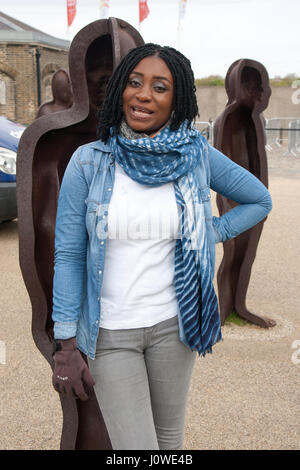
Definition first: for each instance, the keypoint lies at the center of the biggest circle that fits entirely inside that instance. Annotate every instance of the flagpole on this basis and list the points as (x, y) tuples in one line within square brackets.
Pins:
[(68, 32), (178, 28), (103, 9), (181, 13), (139, 15), (68, 27)]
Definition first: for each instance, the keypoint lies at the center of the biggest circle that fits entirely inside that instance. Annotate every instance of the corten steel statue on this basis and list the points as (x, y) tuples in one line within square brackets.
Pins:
[(44, 152), (239, 134), (62, 94)]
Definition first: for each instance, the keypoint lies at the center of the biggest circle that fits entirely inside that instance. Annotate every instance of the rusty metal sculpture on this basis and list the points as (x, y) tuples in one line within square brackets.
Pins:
[(44, 151), (61, 92), (239, 134)]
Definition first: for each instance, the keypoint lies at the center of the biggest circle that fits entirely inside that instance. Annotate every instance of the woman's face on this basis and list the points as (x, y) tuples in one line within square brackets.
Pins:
[(148, 96)]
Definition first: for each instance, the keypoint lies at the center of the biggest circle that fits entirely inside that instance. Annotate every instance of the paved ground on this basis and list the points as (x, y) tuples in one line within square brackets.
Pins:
[(243, 396)]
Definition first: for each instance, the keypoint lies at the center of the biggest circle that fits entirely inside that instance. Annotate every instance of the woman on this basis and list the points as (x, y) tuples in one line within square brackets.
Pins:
[(134, 251)]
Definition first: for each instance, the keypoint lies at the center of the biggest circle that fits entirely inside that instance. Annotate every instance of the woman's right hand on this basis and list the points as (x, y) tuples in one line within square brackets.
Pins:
[(71, 375)]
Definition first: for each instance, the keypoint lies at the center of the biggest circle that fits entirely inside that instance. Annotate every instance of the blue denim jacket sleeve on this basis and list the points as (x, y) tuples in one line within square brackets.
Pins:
[(70, 250), (235, 183)]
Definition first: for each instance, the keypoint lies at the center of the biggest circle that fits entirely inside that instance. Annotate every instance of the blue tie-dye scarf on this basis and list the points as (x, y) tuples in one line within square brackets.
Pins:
[(172, 156)]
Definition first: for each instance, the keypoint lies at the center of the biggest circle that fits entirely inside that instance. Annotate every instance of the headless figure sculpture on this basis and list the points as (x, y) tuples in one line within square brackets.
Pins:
[(44, 152), (239, 134)]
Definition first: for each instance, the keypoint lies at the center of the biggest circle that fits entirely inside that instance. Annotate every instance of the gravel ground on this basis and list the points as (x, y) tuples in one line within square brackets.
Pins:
[(243, 396)]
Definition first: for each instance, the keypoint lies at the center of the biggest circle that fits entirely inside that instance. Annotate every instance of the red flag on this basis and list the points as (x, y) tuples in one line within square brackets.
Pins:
[(71, 10), (144, 10)]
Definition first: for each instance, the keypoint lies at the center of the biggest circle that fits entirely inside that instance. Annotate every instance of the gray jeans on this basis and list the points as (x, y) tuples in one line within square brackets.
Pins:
[(142, 380)]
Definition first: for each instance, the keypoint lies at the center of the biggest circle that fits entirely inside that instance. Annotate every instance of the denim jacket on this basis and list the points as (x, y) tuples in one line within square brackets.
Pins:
[(83, 206)]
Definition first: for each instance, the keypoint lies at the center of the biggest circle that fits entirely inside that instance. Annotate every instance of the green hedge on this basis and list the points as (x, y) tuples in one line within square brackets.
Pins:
[(212, 80), (217, 80)]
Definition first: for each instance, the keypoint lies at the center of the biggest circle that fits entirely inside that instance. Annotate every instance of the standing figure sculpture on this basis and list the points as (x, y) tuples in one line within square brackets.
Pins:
[(61, 92), (239, 134), (44, 152)]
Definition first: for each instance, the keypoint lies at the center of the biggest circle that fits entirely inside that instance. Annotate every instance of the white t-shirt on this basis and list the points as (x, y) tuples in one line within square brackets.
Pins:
[(138, 284)]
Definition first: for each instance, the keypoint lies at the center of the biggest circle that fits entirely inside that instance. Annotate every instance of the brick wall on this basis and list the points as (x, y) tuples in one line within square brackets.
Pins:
[(18, 71)]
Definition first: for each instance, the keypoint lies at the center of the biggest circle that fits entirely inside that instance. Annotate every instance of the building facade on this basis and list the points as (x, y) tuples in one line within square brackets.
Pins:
[(28, 60)]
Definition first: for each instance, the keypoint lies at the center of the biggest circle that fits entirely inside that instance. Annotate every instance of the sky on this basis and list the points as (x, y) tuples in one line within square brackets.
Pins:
[(213, 33)]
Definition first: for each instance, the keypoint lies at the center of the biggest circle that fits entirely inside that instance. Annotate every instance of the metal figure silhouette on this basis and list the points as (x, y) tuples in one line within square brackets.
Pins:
[(44, 152), (61, 92), (239, 134)]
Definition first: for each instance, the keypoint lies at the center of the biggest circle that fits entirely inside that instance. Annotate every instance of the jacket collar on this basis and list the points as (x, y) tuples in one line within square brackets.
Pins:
[(100, 145)]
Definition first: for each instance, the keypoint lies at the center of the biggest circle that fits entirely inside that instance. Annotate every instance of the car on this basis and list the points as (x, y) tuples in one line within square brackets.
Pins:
[(10, 133)]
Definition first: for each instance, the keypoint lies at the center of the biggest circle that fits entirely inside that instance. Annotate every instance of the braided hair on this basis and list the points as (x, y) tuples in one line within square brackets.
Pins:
[(184, 105)]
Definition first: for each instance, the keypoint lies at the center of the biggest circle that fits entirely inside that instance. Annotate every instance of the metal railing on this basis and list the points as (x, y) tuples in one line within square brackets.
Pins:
[(206, 128), (280, 131), (283, 130), (272, 129), (294, 138)]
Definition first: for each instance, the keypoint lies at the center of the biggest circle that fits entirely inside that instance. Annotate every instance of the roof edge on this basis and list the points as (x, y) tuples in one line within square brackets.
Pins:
[(8, 36), (19, 24)]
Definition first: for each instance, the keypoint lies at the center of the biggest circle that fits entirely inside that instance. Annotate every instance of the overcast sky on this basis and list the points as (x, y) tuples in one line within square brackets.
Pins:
[(214, 33)]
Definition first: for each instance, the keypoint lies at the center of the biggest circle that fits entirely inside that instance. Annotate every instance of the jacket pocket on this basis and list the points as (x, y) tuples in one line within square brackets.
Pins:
[(204, 199), (204, 195)]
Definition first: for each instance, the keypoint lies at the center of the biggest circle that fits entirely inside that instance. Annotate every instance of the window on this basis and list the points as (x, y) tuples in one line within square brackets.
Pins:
[(2, 92)]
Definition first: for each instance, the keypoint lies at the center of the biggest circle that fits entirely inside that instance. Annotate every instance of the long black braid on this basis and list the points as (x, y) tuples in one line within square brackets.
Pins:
[(184, 97)]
